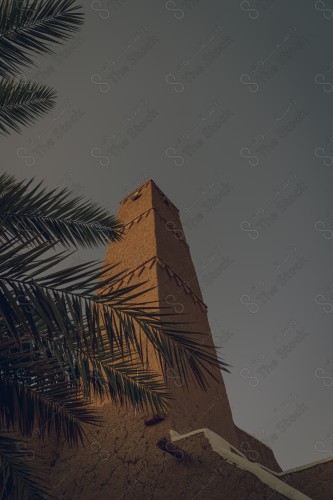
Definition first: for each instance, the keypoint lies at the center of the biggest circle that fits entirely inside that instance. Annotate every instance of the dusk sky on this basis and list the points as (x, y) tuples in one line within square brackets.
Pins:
[(227, 106)]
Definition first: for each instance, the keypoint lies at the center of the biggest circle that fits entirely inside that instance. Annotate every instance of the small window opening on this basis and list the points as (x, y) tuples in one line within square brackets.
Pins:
[(136, 195)]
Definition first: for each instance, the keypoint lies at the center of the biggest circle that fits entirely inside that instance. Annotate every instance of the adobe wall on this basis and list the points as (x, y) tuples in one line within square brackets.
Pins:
[(313, 480), (256, 451), (122, 461)]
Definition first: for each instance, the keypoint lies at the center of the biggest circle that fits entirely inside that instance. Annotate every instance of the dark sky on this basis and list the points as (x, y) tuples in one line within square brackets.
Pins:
[(228, 107)]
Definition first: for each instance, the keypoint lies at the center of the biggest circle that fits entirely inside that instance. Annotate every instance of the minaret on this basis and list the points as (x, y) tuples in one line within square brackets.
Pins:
[(123, 458), (154, 250)]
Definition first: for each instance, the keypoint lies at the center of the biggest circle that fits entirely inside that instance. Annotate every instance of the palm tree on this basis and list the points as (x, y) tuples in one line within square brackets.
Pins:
[(27, 28)]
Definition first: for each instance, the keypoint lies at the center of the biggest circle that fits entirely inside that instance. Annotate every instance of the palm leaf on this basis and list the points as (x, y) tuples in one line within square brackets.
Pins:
[(123, 378), (103, 367), (29, 27), (36, 393), (19, 477), (48, 215), (21, 103), (65, 304)]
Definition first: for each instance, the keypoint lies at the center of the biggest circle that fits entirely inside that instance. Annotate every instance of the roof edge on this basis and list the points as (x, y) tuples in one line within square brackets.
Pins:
[(145, 184)]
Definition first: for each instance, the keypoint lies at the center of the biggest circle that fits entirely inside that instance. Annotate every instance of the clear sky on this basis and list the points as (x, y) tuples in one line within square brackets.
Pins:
[(228, 107)]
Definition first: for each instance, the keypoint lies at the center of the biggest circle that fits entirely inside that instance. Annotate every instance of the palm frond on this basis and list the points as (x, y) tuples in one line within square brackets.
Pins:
[(19, 477), (28, 212), (21, 103), (37, 394), (66, 305), (102, 367), (123, 378), (29, 27)]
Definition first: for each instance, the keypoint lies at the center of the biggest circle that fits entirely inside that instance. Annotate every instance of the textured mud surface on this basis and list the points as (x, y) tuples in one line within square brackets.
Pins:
[(125, 463), (315, 481)]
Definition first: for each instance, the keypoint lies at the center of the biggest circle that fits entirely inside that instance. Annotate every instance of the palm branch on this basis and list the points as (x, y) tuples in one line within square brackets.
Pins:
[(37, 394), (19, 477), (50, 215), (67, 303), (21, 103), (28, 27), (122, 378), (57, 308)]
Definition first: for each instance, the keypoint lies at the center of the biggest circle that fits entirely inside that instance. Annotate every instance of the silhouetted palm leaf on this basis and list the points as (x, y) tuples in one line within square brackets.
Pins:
[(22, 103), (20, 477), (29, 27), (68, 302), (113, 373), (38, 395), (47, 215)]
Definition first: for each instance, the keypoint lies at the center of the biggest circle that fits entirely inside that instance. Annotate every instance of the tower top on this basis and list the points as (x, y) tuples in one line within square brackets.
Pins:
[(150, 183)]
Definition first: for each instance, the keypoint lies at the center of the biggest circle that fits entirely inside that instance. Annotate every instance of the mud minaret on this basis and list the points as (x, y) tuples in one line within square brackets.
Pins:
[(154, 250), (121, 459)]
